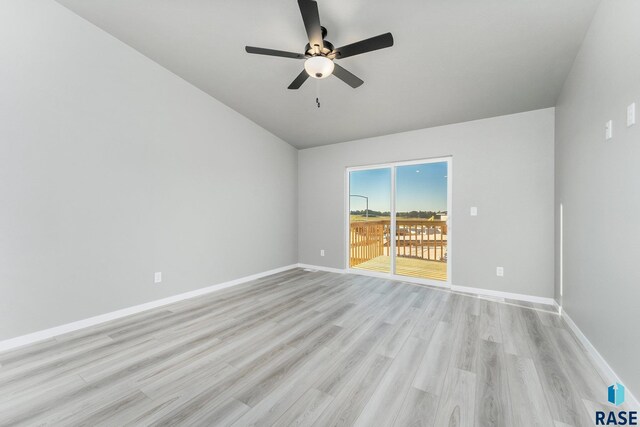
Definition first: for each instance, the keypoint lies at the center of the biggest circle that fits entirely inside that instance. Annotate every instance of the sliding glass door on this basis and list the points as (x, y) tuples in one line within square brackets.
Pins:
[(398, 219)]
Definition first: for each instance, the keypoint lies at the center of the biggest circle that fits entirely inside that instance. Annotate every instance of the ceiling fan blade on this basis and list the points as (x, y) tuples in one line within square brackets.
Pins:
[(364, 46), (346, 76), (273, 52), (302, 77), (311, 19)]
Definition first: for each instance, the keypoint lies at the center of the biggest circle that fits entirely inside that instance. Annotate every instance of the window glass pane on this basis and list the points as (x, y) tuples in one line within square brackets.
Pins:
[(421, 220), (370, 220)]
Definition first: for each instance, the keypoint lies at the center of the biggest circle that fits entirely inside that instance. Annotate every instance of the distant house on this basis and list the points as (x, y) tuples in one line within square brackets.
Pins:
[(440, 216)]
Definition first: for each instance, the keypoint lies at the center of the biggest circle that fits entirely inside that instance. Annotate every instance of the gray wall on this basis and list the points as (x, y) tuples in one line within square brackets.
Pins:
[(503, 165), (598, 183), (112, 168)]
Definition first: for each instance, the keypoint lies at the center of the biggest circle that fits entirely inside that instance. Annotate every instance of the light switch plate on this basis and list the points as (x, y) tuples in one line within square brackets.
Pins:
[(500, 271), (608, 130), (474, 211), (631, 115), (157, 277)]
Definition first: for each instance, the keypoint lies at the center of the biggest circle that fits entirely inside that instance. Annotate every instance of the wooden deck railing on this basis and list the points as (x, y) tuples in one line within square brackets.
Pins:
[(415, 238), (368, 240)]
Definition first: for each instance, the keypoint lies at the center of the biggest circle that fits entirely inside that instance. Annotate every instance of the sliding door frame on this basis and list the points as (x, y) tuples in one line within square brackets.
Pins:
[(347, 226)]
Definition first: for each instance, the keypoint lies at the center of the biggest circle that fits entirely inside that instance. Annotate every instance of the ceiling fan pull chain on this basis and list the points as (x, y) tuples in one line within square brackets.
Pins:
[(318, 93)]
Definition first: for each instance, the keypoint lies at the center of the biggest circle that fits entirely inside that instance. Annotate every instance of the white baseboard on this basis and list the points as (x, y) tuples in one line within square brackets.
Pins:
[(508, 295), (320, 268), (606, 371), (80, 324)]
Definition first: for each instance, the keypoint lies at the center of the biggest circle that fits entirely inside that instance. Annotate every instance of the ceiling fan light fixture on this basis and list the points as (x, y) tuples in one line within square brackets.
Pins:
[(319, 67)]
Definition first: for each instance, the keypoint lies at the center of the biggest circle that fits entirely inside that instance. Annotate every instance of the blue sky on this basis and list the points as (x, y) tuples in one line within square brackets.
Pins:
[(373, 183), (419, 188)]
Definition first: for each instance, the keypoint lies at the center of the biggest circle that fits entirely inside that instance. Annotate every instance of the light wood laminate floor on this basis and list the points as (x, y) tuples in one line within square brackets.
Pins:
[(310, 348)]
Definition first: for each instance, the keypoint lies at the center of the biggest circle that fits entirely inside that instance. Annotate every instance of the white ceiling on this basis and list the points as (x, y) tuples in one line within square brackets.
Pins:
[(453, 60)]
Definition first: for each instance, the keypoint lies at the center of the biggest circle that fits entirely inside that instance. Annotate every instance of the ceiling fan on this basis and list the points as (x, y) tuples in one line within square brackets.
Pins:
[(319, 54)]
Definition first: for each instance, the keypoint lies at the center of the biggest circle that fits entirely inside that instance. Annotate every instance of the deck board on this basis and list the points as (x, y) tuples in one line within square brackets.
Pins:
[(412, 267)]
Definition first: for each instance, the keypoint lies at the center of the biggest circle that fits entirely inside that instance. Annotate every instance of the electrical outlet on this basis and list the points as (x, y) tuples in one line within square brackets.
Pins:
[(631, 115), (157, 277), (321, 252), (473, 211), (500, 271)]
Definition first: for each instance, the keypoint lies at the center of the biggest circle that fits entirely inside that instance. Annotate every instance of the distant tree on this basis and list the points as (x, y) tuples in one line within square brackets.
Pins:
[(417, 214), (372, 213)]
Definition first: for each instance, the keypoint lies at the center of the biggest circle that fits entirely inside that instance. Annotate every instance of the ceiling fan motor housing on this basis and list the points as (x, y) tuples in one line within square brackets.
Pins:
[(327, 49)]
